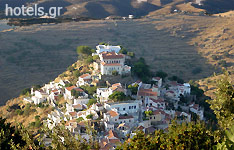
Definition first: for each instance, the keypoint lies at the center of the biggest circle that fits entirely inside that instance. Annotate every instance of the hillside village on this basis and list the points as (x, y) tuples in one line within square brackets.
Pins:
[(115, 111)]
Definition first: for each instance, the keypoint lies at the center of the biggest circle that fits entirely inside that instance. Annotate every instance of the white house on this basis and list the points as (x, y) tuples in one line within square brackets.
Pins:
[(126, 107), (107, 48), (158, 81), (104, 93), (68, 93), (124, 128), (197, 110), (111, 116), (111, 61), (85, 79), (126, 119), (40, 96)]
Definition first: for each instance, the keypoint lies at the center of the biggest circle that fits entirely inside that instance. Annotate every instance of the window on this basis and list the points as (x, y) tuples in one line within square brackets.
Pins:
[(123, 108), (150, 117), (129, 120), (130, 107), (116, 119), (135, 107), (154, 117)]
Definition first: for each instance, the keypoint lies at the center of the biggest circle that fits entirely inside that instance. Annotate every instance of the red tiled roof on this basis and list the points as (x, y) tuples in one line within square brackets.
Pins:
[(70, 88), (75, 88), (112, 55), (78, 106), (112, 134), (156, 112), (156, 78), (73, 114), (116, 84), (113, 113), (111, 64), (84, 75), (159, 100), (146, 92)]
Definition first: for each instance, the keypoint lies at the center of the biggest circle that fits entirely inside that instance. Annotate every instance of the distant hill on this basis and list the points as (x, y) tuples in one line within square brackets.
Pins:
[(217, 6), (89, 8)]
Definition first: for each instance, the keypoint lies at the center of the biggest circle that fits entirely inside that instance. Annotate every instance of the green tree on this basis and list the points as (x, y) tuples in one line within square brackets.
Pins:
[(12, 137), (117, 96), (75, 93), (89, 116), (63, 139), (187, 136), (26, 92), (161, 74), (133, 88), (79, 119), (141, 69), (86, 50), (89, 89), (223, 103), (123, 51), (228, 142), (91, 102)]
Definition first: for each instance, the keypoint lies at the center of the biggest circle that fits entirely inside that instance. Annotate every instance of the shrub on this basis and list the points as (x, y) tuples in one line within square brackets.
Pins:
[(215, 57), (85, 50), (117, 96), (91, 102), (79, 119), (89, 116), (25, 91), (222, 63), (96, 57), (115, 73)]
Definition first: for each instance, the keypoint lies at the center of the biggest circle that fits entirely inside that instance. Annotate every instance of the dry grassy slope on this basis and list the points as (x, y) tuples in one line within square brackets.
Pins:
[(13, 118), (211, 36)]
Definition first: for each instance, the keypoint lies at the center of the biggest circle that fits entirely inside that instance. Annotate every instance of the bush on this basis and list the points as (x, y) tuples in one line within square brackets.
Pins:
[(161, 74), (26, 91), (89, 89), (215, 57), (117, 96), (96, 57), (76, 73), (19, 112), (133, 88), (222, 63), (79, 119), (131, 54), (123, 51), (115, 73), (70, 68), (177, 79), (85, 50), (89, 60), (141, 69), (91, 102), (89, 116)]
